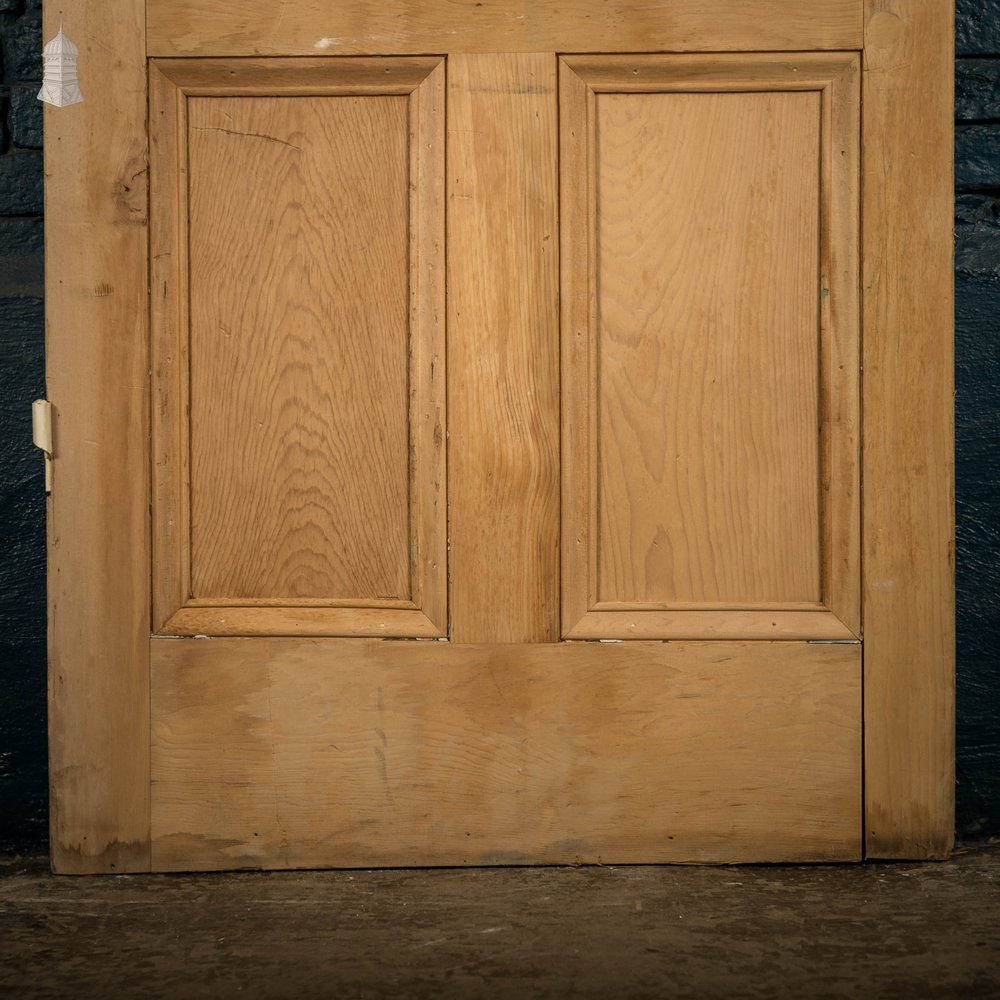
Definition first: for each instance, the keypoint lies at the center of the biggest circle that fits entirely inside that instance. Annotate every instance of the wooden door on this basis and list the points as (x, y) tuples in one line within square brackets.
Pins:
[(477, 474)]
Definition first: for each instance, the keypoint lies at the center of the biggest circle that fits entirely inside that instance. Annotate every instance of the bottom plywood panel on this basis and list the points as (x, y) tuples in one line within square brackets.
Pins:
[(286, 753)]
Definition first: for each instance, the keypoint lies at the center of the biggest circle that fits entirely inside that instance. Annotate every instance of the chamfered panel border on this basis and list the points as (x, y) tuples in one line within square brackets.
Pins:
[(172, 82), (836, 77), (429, 753)]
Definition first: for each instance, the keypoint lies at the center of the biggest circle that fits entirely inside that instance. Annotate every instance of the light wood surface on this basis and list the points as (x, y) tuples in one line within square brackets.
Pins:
[(269, 619), (503, 348), (169, 270), (98, 529), (720, 72), (300, 421), (707, 447), (432, 753), (299, 347), (297, 751), (310, 27), (709, 623), (710, 345), (909, 430), (840, 369), (297, 77)]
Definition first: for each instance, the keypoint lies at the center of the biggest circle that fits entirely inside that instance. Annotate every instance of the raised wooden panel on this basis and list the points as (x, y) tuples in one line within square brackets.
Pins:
[(707, 256), (503, 348), (298, 349), (443, 754), (304, 27), (710, 346)]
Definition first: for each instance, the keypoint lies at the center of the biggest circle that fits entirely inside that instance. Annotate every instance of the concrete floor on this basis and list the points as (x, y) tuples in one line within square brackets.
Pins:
[(879, 930)]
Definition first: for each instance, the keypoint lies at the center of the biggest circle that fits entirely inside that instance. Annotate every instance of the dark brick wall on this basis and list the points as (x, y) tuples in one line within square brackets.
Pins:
[(23, 777), (22, 598), (977, 413)]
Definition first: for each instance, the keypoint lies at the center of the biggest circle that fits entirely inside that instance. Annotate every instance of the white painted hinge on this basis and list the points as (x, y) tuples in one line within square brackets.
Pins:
[(41, 434)]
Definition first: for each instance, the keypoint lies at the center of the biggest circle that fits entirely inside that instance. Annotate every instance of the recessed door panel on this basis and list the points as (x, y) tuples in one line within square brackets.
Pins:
[(711, 451), (707, 320), (301, 465), (299, 336)]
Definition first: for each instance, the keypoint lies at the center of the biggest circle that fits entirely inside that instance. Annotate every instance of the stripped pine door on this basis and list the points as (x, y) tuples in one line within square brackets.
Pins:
[(500, 499)]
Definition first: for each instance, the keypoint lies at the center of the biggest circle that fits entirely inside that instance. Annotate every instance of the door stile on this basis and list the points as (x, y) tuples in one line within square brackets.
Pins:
[(908, 452), (98, 514)]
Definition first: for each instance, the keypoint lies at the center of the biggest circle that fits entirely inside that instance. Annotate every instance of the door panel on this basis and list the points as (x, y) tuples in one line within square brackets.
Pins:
[(299, 350), (298, 347), (710, 346), (444, 754), (706, 248)]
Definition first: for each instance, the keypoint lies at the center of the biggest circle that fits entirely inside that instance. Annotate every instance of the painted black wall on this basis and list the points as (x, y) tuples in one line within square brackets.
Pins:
[(977, 413), (23, 778)]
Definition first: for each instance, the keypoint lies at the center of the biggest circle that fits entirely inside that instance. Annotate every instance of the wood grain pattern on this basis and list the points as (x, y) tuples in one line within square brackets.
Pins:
[(710, 368), (707, 247), (318, 473), (299, 347), (307, 27), (98, 528), (503, 348), (430, 753), (908, 443)]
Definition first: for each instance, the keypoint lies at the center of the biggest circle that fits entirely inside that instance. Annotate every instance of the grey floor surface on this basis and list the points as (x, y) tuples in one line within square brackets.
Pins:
[(877, 930)]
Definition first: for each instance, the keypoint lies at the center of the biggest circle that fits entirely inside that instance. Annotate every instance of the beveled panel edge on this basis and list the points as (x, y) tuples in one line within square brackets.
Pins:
[(677, 606), (332, 622), (169, 347), (840, 344), (428, 350), (736, 624), (728, 72), (219, 603), (577, 305), (298, 77)]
